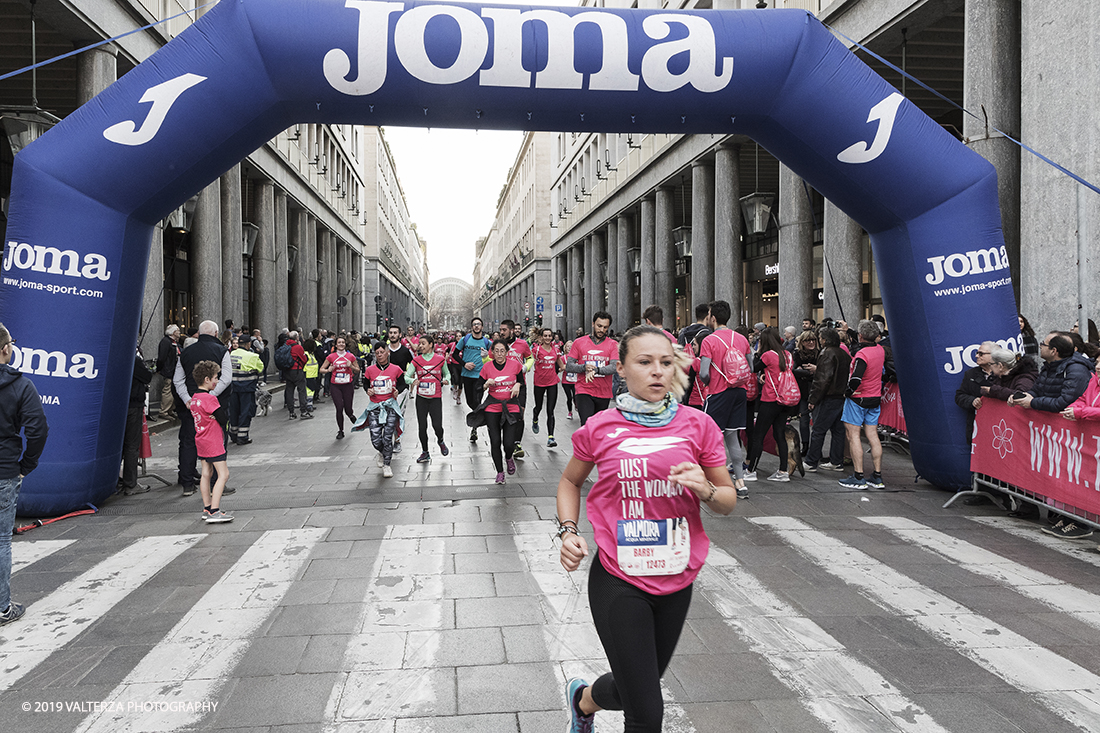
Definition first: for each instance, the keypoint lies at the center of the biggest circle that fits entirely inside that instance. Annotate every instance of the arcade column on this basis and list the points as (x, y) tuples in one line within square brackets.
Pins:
[(796, 250), (729, 279)]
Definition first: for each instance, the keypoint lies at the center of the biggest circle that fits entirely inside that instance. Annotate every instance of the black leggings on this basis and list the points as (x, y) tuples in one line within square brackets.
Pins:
[(501, 431), (551, 393), (773, 415), (570, 390), (639, 632), (343, 396), (426, 406), (473, 388), (587, 405)]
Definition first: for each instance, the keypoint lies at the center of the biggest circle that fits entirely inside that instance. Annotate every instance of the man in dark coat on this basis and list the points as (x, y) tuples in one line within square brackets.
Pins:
[(20, 410)]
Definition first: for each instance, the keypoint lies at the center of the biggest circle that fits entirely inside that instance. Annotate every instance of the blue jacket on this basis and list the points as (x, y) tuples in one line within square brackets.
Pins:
[(1061, 382), (20, 408)]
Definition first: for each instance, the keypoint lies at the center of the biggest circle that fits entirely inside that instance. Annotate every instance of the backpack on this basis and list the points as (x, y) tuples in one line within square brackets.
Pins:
[(735, 367), (283, 359), (786, 387)]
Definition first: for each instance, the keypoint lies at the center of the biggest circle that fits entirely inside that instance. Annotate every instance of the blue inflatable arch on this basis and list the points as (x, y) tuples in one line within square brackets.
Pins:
[(87, 195)]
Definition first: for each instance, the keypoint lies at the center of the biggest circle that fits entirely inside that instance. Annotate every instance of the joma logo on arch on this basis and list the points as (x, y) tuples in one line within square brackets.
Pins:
[(506, 41), (54, 261)]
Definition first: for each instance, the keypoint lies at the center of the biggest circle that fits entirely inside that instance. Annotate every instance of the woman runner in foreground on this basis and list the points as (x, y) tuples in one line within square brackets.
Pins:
[(649, 549)]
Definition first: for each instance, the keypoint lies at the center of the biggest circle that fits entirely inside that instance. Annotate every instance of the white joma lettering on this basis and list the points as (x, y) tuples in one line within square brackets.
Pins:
[(507, 70), (53, 363), (968, 263), (963, 356), (53, 261)]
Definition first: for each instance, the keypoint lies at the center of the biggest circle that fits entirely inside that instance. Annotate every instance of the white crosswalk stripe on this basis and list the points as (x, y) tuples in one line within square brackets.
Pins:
[(842, 692), (62, 615), (390, 661), (1083, 550), (1065, 688), (1076, 602), (192, 662), (28, 553)]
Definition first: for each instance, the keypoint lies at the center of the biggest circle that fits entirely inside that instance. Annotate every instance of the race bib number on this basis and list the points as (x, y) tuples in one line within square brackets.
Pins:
[(425, 389), (571, 377), (341, 378), (382, 386), (653, 546)]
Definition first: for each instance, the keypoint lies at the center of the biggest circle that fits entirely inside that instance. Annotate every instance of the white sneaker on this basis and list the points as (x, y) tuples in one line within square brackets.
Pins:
[(749, 476), (779, 476), (387, 472), (379, 462)]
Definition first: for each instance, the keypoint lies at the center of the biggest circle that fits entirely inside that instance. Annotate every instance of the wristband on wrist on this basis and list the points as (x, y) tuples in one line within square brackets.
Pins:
[(564, 526), (713, 491)]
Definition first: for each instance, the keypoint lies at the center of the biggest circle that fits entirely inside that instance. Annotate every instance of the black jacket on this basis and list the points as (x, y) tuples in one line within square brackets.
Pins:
[(207, 348), (973, 380), (20, 408), (831, 377), (167, 353), (142, 377), (1061, 382)]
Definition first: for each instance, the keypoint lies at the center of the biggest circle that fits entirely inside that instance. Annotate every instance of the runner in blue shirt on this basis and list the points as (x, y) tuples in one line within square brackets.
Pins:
[(471, 351)]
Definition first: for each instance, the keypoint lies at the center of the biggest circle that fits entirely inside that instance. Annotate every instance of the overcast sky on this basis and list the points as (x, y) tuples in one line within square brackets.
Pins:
[(451, 179)]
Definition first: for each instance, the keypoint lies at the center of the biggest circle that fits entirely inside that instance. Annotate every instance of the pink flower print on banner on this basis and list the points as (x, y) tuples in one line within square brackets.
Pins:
[(1002, 439)]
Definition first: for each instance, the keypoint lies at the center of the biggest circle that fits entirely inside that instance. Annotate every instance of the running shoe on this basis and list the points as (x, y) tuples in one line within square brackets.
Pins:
[(749, 475), (307, 415), (205, 515), (830, 467), (188, 489), (742, 493), (387, 472), (424, 458), (535, 427), (14, 612), (1069, 531), (473, 435), (852, 482), (397, 446), (578, 721), (518, 452), (293, 416), (443, 449), (876, 482), (511, 466), (569, 415), (339, 434), (551, 443), (218, 517), (781, 476), (379, 461), (809, 467), (500, 477)]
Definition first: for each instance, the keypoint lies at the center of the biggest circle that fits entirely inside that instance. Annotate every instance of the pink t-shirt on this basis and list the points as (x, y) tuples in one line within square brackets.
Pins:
[(430, 373), (771, 374), (546, 370), (341, 362), (383, 381), (599, 355), (209, 440), (499, 382), (714, 347), (875, 357), (633, 463)]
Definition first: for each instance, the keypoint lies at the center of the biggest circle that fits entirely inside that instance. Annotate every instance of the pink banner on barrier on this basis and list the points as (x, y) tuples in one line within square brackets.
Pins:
[(892, 415), (1041, 452)]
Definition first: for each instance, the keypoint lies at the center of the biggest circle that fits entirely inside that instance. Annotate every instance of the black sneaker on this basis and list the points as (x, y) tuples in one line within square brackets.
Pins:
[(473, 435), (228, 490), (535, 427), (293, 416), (139, 489), (188, 489), (443, 449), (518, 452), (339, 434), (1070, 531), (14, 612)]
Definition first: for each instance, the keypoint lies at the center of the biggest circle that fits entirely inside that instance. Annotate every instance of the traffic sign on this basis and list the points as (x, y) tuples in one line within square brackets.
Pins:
[(526, 309), (538, 306), (538, 300), (558, 309)]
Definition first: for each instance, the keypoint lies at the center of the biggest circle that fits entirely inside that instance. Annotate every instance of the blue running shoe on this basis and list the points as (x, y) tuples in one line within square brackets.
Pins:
[(852, 482), (579, 722)]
